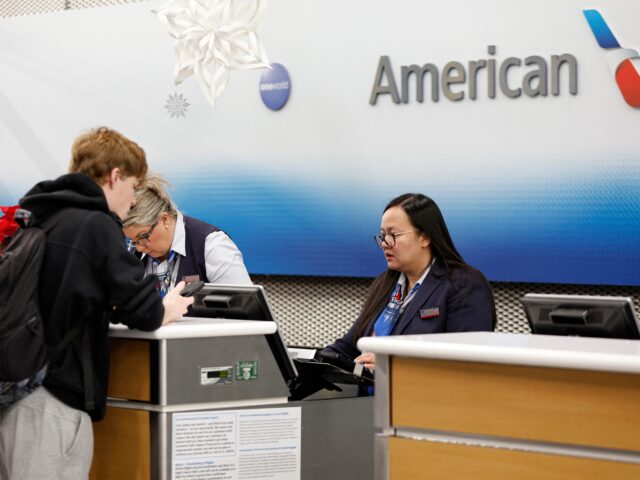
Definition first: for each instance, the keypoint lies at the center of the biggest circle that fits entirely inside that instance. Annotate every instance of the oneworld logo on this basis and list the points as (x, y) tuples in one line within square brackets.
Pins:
[(623, 62), (275, 87), (458, 80)]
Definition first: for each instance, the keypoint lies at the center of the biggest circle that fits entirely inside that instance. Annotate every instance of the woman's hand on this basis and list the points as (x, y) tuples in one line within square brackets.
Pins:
[(368, 359), (175, 305)]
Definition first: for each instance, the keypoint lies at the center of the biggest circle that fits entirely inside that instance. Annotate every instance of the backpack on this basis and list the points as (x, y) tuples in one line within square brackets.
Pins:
[(22, 347), (23, 350)]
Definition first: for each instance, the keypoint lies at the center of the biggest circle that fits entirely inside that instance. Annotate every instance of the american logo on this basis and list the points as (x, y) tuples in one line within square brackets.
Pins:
[(623, 62)]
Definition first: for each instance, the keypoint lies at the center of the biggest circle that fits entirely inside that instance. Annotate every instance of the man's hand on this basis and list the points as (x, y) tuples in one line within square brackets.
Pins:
[(175, 305)]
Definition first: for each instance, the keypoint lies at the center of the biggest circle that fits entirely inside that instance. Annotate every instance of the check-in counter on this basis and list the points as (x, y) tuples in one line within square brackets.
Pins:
[(204, 398), (504, 406)]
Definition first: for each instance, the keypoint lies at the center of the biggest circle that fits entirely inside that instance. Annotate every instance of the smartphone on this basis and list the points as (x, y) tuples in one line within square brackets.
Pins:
[(191, 288)]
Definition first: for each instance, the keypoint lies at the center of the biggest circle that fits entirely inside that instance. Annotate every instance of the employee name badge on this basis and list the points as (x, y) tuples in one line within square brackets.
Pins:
[(427, 313)]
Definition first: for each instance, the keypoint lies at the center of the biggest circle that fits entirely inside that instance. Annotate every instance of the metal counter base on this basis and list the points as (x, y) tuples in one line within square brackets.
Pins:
[(134, 442)]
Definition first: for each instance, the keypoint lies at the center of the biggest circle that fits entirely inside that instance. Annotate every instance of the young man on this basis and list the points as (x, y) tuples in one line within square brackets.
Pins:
[(88, 279)]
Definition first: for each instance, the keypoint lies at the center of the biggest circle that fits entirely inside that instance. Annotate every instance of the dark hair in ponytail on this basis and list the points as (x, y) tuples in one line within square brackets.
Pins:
[(427, 218)]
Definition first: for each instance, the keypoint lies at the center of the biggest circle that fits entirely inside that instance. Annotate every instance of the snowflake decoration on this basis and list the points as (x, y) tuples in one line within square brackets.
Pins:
[(213, 37), (176, 105)]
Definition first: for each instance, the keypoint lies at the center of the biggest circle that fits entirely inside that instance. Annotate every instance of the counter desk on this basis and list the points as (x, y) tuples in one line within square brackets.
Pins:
[(504, 406), (205, 399)]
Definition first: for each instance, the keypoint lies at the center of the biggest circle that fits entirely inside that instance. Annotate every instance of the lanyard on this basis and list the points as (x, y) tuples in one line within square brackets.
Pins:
[(166, 277)]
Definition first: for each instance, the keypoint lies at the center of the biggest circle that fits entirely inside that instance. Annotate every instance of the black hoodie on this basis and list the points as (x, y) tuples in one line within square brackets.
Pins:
[(87, 277)]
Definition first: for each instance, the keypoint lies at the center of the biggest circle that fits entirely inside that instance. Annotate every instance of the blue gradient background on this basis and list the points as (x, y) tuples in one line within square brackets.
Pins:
[(560, 228)]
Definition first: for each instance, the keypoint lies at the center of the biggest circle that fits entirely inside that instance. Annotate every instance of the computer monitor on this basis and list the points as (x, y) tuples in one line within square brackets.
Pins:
[(244, 302), (585, 316)]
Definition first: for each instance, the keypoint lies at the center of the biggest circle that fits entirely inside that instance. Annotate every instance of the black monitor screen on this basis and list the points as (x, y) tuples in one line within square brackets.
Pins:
[(244, 302), (585, 316)]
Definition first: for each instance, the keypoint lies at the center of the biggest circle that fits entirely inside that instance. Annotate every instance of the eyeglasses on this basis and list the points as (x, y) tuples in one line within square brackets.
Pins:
[(389, 239), (144, 237)]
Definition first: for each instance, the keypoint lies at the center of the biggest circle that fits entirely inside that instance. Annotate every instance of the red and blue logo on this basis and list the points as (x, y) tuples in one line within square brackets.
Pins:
[(623, 62)]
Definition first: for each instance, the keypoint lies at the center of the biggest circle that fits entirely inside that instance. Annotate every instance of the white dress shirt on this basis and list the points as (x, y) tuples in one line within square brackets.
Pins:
[(223, 259)]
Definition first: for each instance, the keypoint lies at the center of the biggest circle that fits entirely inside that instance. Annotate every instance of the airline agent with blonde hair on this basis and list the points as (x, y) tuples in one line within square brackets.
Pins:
[(176, 247)]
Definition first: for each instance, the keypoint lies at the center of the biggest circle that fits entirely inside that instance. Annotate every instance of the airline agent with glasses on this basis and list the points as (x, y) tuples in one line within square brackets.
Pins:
[(175, 247), (427, 288)]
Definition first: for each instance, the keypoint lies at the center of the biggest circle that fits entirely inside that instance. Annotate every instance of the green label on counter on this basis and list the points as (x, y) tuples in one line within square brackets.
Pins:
[(247, 370)]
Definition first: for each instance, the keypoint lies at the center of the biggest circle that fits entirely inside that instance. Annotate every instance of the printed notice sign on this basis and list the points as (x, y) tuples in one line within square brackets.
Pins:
[(237, 444)]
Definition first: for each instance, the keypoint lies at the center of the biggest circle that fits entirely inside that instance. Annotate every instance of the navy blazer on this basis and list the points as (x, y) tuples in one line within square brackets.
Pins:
[(449, 300)]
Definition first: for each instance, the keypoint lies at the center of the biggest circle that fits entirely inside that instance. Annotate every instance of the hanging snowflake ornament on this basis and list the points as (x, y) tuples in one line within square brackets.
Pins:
[(213, 37), (176, 105)]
